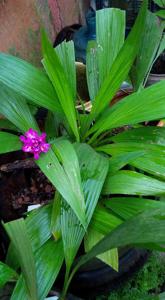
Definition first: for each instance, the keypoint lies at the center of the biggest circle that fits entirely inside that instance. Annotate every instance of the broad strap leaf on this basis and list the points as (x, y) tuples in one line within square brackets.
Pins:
[(65, 177), (109, 41), (66, 54), (48, 259), (6, 274), (9, 142), (150, 41), (144, 134), (28, 81), (146, 228), (15, 109), (121, 65), (110, 257), (149, 104), (133, 183), (59, 80), (19, 236), (94, 169), (127, 207)]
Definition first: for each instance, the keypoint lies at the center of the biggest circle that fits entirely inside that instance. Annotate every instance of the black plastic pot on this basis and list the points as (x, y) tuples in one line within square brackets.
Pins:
[(97, 278)]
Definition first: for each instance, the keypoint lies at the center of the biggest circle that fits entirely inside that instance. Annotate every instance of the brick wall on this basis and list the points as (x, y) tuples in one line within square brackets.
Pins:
[(21, 20)]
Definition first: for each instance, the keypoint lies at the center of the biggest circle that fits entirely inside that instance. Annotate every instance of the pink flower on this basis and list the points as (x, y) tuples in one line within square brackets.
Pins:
[(34, 143)]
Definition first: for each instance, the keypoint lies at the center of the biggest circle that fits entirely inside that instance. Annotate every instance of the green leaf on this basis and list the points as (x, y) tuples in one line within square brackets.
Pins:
[(39, 231), (161, 47), (161, 14), (149, 104), (62, 177), (133, 183), (110, 34), (103, 221), (160, 3), (128, 207), (6, 274), (57, 75), (94, 169), (119, 161), (66, 54), (110, 257), (124, 148), (19, 236), (121, 65), (152, 163), (28, 81), (6, 124), (72, 234), (9, 142), (145, 134), (150, 41), (15, 109), (92, 69), (147, 227), (109, 23), (48, 259)]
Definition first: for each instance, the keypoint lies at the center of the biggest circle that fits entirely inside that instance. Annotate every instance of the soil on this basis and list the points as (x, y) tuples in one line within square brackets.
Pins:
[(159, 66), (20, 188)]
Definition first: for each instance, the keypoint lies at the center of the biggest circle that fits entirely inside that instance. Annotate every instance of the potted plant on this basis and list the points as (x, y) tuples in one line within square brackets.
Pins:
[(107, 167)]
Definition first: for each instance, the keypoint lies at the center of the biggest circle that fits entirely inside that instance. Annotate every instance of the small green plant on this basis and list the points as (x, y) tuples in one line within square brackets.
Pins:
[(107, 183)]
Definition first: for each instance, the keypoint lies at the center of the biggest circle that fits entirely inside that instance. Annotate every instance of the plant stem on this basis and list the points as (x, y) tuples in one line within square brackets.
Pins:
[(66, 285), (67, 282)]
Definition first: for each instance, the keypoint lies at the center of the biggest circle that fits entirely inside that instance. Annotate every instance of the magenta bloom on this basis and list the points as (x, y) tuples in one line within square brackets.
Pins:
[(34, 143)]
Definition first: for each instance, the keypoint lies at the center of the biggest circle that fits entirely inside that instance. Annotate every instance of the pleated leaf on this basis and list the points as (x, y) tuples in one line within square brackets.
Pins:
[(72, 234), (94, 169), (15, 109), (147, 105), (125, 147), (146, 228), (128, 207), (6, 274), (104, 221), (145, 134), (66, 54), (28, 81), (133, 183), (6, 124), (161, 47), (39, 230), (160, 3), (121, 65), (153, 163), (92, 69), (48, 260), (57, 75), (110, 257), (9, 142), (119, 161), (161, 14), (151, 38), (19, 236), (110, 32), (64, 178)]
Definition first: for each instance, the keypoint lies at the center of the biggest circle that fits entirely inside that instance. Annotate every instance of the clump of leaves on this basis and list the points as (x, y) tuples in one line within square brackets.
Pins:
[(107, 185)]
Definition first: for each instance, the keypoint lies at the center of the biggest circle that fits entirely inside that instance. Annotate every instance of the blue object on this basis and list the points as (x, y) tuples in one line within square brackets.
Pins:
[(84, 35), (88, 32)]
